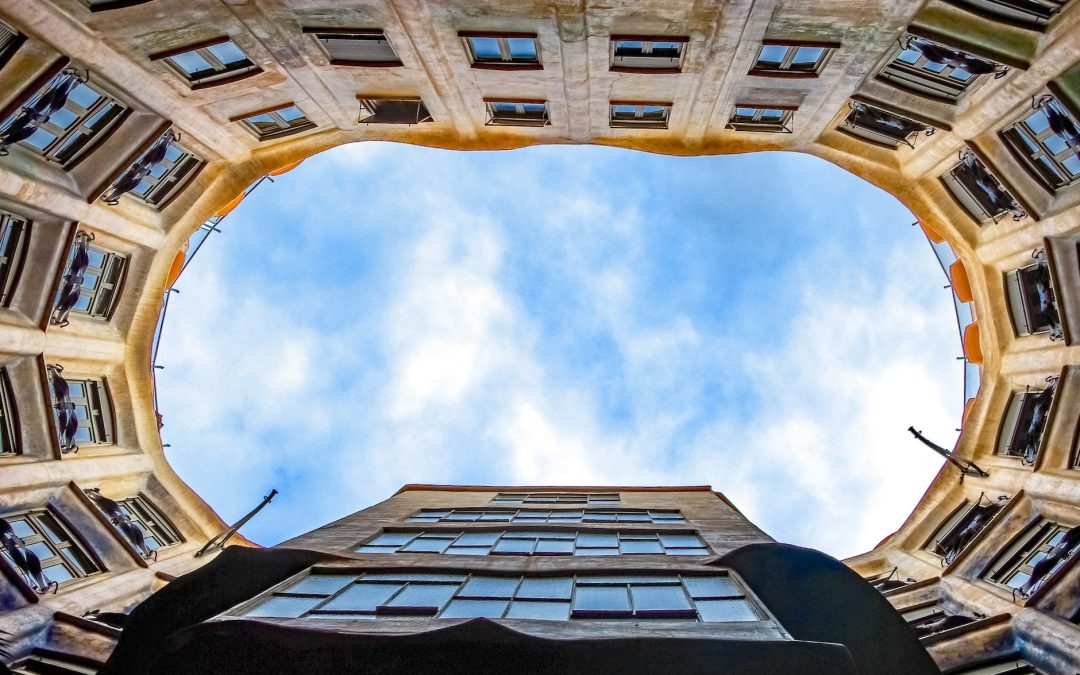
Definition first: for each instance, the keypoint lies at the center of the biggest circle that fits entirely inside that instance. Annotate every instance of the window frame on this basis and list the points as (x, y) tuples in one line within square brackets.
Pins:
[(177, 175), (1020, 411), (371, 104), (786, 66), (575, 538), (993, 9), (1022, 298), (1019, 137), (10, 431), (285, 127), (521, 116), (972, 202), (616, 120), (1017, 557), (33, 519), (878, 134), (322, 35), (506, 60), (593, 498), (220, 72), (114, 266), (12, 255), (56, 662), (97, 399), (915, 78), (782, 125), (957, 522), (10, 44), (664, 64)]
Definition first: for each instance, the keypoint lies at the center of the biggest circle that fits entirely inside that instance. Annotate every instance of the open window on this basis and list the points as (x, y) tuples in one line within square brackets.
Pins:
[(647, 54), (282, 120), (355, 47), (14, 237), (506, 113), (637, 115), (770, 119), (979, 192), (1024, 424), (10, 442), (881, 127), (209, 63), (1032, 301), (1047, 141), (932, 619), (935, 70), (962, 527), (392, 111)]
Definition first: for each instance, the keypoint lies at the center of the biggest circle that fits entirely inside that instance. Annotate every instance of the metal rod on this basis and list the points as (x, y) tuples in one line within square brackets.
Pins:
[(971, 469), (219, 541)]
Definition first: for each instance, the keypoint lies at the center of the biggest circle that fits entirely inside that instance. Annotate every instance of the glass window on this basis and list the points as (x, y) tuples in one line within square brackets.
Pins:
[(82, 410), (936, 70), (1047, 140), (10, 39), (515, 542), (362, 48), (156, 531), (518, 114), (630, 54), (91, 281), (502, 50), (1032, 300), (1034, 557), (276, 123), (10, 442), (168, 175), (63, 558), (961, 527), (881, 127), (557, 497), (761, 118), (791, 59), (639, 115), (979, 192), (14, 236), (81, 119), (1024, 423), (550, 516), (1033, 13), (213, 64)]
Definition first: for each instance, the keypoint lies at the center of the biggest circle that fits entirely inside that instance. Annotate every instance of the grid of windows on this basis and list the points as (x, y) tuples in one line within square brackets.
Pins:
[(979, 192), (210, 63), (1035, 13), (629, 115), (932, 69), (168, 176), (1035, 557), (62, 557), (502, 50), (1024, 423), (276, 123), (548, 516), (791, 60), (100, 281), (1048, 141), (1032, 304), (517, 113), (513, 542), (591, 498), (73, 129), (647, 54), (9, 428), (712, 598), (14, 234), (761, 118), (355, 48)]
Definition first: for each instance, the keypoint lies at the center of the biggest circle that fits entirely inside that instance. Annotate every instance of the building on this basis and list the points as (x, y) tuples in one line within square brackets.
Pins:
[(524, 579), (129, 127)]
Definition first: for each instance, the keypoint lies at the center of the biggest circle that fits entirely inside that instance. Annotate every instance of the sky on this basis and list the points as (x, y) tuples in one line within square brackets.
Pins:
[(766, 324)]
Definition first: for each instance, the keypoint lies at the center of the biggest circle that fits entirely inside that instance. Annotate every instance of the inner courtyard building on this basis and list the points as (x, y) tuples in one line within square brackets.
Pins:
[(130, 128)]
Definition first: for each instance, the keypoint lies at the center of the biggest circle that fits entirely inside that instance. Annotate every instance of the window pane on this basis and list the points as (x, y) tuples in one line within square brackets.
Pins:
[(477, 539), (291, 114), (461, 609), (607, 598), (651, 598), (227, 52), (191, 62), (514, 546), (554, 547), (489, 587), (710, 587), (84, 96), (522, 48), (725, 610), (392, 539), (364, 596), (555, 588), (321, 584), (424, 595), (678, 540), (807, 56), (598, 540), (550, 611), (468, 550), (58, 573), (641, 547), (424, 545), (284, 606), (485, 48), (772, 54), (63, 118)]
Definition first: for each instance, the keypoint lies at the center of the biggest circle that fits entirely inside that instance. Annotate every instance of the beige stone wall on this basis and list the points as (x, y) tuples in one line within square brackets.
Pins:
[(114, 45)]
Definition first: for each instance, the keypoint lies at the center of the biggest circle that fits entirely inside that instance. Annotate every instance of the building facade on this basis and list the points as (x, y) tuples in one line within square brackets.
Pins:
[(128, 126)]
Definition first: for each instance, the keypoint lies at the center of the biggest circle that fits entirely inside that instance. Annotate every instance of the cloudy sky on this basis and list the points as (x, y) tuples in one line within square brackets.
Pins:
[(386, 314)]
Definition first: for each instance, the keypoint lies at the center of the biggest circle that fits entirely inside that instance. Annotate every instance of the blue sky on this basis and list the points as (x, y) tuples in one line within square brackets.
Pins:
[(386, 314)]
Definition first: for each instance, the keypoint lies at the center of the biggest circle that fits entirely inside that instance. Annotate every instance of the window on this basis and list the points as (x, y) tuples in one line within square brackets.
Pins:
[(9, 428), (392, 111), (791, 60), (514, 542), (138, 521), (1012, 666), (712, 598), (10, 39), (1032, 304), (101, 5), (887, 581), (1033, 13), (275, 123), (49, 662), (1024, 423), (932, 619), (630, 115), (82, 410), (517, 113), (507, 51), (1035, 557), (601, 498), (91, 281), (630, 54), (215, 62), (81, 116), (961, 527), (760, 118), (983, 196), (168, 175), (348, 47), (936, 70), (59, 553), (881, 127), (548, 516), (1047, 141), (14, 235)]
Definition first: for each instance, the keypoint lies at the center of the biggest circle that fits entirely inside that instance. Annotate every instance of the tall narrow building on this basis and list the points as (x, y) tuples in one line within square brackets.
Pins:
[(525, 579)]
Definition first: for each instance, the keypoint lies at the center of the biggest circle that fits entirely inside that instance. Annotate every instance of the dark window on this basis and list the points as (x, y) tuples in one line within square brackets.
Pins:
[(513, 542), (1032, 302), (82, 410), (601, 498), (881, 127), (981, 194), (887, 581), (936, 70), (1048, 140), (1034, 13), (639, 115), (791, 59), (933, 619), (1032, 560), (49, 662), (961, 527), (713, 598), (392, 111), (91, 281), (360, 48), (10, 39), (14, 235), (279, 122), (9, 427), (553, 516), (517, 113), (59, 553), (102, 5), (1024, 423), (761, 118), (647, 53), (211, 64), (72, 128), (502, 50)]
